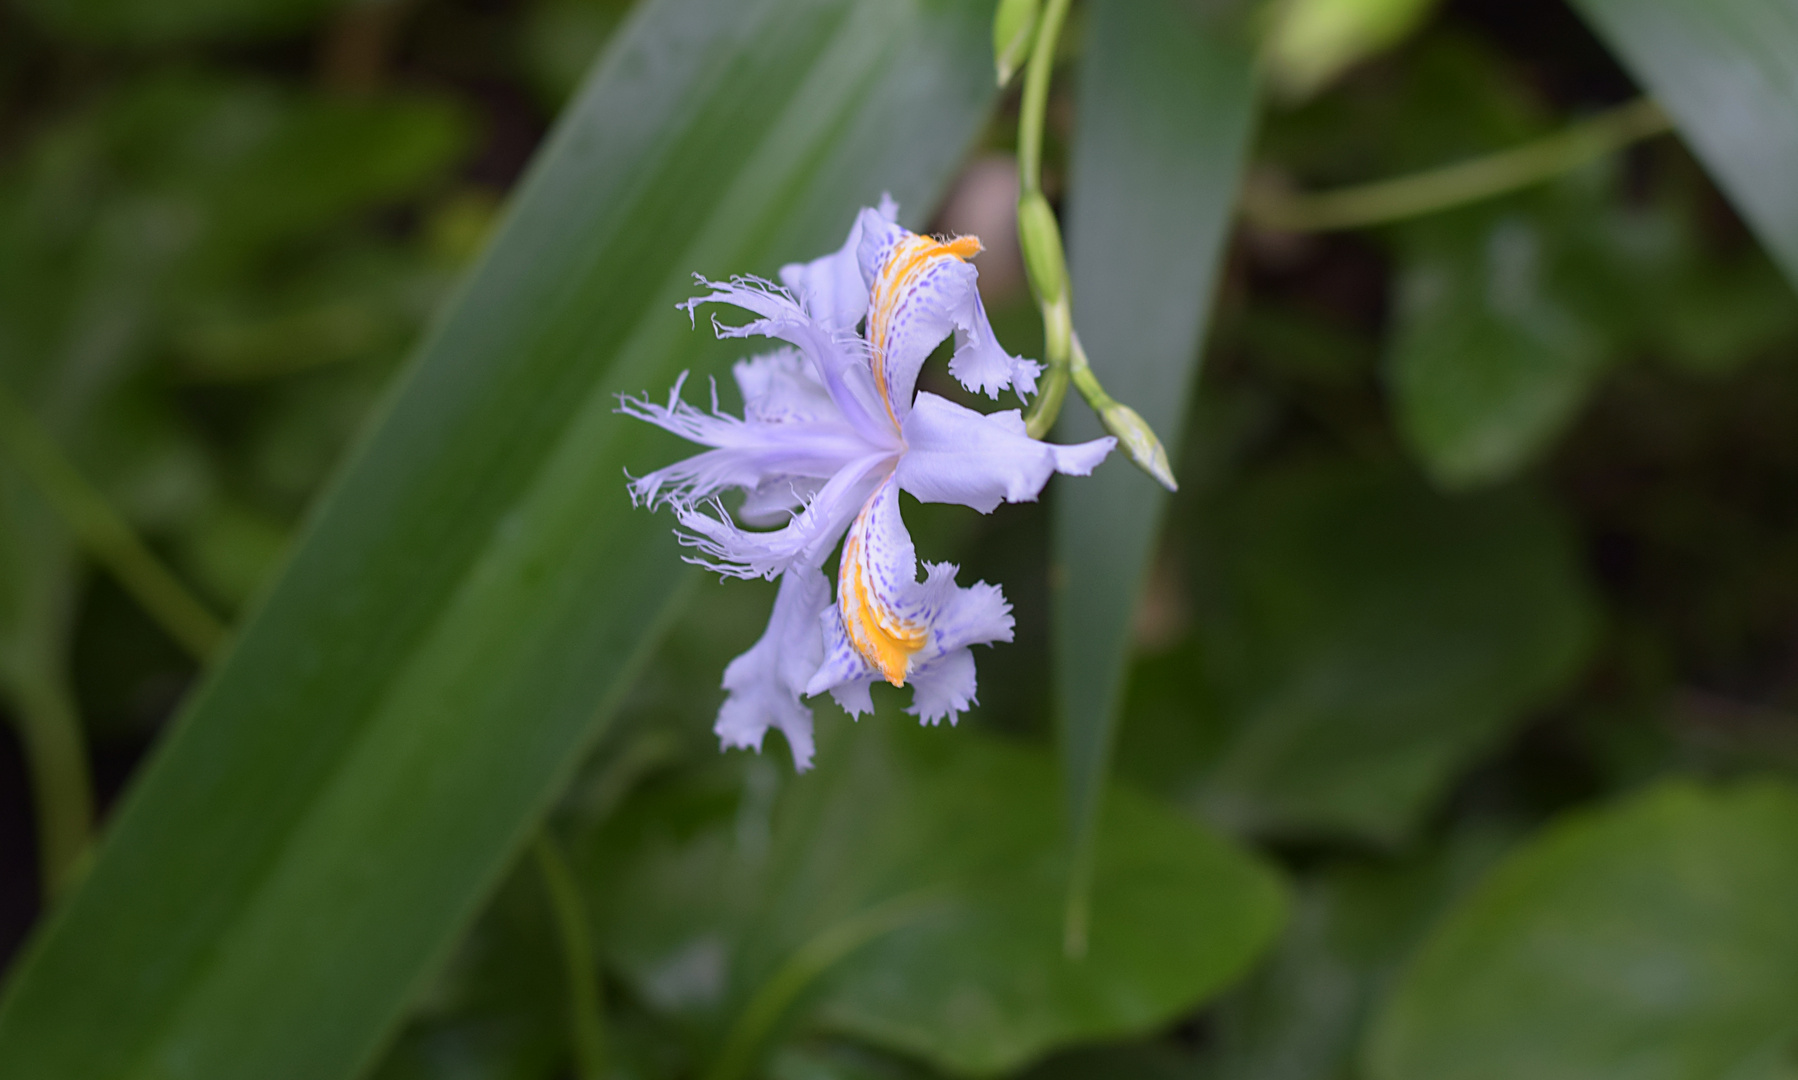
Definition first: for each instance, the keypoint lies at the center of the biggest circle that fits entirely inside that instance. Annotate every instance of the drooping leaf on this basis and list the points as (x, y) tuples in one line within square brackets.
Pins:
[(475, 591), (1650, 940), (1165, 109), (1361, 639), (1723, 70), (708, 891)]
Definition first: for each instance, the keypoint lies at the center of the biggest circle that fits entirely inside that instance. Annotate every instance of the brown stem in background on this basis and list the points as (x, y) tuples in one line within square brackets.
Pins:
[(358, 45)]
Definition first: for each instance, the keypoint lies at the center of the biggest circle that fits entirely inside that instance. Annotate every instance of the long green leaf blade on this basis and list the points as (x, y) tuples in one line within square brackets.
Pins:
[(346, 786), (1165, 110), (1727, 72)]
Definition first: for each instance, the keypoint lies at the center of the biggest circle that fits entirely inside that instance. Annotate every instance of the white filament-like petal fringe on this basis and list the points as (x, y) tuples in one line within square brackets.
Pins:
[(838, 356), (747, 454), (728, 549)]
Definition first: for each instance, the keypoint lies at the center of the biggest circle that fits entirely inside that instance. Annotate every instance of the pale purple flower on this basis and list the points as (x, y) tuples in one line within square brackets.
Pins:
[(832, 429)]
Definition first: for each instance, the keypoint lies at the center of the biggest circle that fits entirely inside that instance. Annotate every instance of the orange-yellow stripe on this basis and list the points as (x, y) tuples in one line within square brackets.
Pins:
[(885, 641), (908, 259)]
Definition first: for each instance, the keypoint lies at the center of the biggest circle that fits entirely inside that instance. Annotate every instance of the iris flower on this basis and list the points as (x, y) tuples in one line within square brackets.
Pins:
[(832, 429)]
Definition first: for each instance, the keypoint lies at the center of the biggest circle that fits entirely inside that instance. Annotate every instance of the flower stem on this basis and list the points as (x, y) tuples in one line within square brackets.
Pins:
[(1035, 104), (1435, 190), (1045, 263), (808, 962), (104, 534), (1057, 309), (49, 727), (586, 1003)]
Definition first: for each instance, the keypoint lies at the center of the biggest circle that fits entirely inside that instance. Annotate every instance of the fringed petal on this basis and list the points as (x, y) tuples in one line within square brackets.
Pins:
[(887, 625), (747, 454), (838, 357), (832, 288), (765, 683), (920, 291), (806, 540)]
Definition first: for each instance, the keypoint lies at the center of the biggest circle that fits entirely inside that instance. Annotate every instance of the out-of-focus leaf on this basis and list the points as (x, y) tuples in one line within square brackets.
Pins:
[(231, 550), (1508, 315), (1303, 1015), (560, 38), (474, 593), (1491, 356), (842, 1060), (1361, 640), (1150, 1061), (1166, 104), (241, 167), (495, 1013), (976, 982), (1723, 70), (1652, 939), (1314, 41), (163, 22)]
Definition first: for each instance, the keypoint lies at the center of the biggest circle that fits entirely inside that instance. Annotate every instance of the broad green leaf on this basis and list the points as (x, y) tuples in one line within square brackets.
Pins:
[(1491, 357), (112, 218), (1303, 1014), (496, 1011), (1362, 639), (974, 980), (1506, 313), (1164, 113), (472, 596), (1723, 70), (1650, 940)]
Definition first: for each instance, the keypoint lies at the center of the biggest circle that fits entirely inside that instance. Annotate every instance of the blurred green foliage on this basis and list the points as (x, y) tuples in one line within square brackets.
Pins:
[(1461, 726)]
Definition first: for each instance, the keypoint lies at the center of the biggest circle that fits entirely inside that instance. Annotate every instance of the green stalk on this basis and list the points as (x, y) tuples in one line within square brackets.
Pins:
[(586, 1005), (104, 534), (49, 728), (49, 722), (1035, 104), (810, 961), (1052, 294), (1436, 190)]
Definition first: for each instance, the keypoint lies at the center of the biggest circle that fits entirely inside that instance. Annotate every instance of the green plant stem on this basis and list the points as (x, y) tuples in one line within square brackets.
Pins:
[(1454, 185), (1057, 311), (49, 727), (1034, 106), (1052, 390), (811, 960), (586, 1005), (1081, 370), (104, 534)]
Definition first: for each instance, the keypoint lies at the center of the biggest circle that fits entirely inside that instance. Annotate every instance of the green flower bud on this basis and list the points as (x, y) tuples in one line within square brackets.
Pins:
[(1014, 24), (1040, 237), (1138, 439)]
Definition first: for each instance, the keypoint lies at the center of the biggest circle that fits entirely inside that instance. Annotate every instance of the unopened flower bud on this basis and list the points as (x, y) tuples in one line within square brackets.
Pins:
[(1014, 24), (1139, 440), (1040, 237)]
